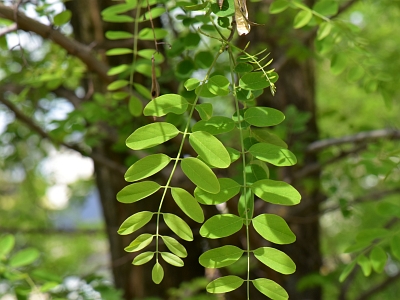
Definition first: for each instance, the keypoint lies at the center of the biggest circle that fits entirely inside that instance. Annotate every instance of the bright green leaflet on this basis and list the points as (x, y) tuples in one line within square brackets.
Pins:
[(219, 226), (169, 103), (218, 85), (137, 191), (224, 284), (276, 192), (273, 154), (275, 259), (229, 189), (174, 246), (143, 258), (378, 259), (188, 204), (254, 81), (151, 135), (270, 289), (178, 226), (210, 149), (205, 110), (7, 243), (140, 242), (273, 228), (24, 257), (200, 174), (147, 166), (135, 222), (157, 273), (220, 257), (172, 259), (215, 125), (365, 264), (263, 116)]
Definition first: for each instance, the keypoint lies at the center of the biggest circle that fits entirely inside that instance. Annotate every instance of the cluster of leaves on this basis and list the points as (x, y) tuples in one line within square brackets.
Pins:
[(257, 147)]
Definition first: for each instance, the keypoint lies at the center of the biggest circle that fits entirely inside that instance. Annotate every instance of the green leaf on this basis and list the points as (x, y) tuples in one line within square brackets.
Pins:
[(338, 63), (259, 170), (157, 274), (371, 234), (246, 205), (149, 54), (168, 103), (205, 110), (270, 289), (324, 30), (326, 7), (346, 272), (151, 135), (135, 106), (23, 258), (188, 204), (394, 246), (204, 59), (172, 259), (228, 189), (215, 125), (178, 226), (147, 166), (274, 229), (143, 258), (357, 247), (378, 259), (265, 136), (184, 68), (154, 13), (276, 192), (150, 34), (174, 246), (273, 154), (220, 226), (263, 116), (118, 8), (218, 85), (254, 81), (137, 191), (210, 149), (243, 68), (233, 154), (118, 84), (140, 242), (7, 243), (119, 51), (62, 18), (202, 91), (224, 284), (118, 18), (302, 18), (145, 92), (118, 70), (118, 35), (278, 6), (355, 73), (135, 222), (227, 9), (365, 264), (275, 259), (200, 174), (220, 257), (191, 84)]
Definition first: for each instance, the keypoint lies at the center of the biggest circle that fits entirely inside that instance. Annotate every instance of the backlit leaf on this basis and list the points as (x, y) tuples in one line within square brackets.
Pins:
[(224, 284), (227, 9), (62, 18), (338, 63), (168, 103), (118, 70), (220, 257), (254, 81), (24, 257), (219, 226), (270, 289), (137, 191), (228, 189), (174, 246), (278, 6), (6, 245), (147, 34), (263, 116), (140, 242), (273, 154), (178, 226), (151, 135), (118, 35), (218, 85), (172, 259), (118, 84), (378, 258), (273, 228), (147, 166), (302, 18), (365, 264), (276, 192), (215, 125), (143, 258), (210, 149), (205, 110), (188, 204), (275, 259), (200, 174), (324, 30), (135, 222), (157, 273), (117, 9), (191, 84)]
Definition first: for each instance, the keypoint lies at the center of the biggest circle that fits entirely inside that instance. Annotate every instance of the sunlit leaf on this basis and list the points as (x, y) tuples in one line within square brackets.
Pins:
[(395, 246), (219, 226), (168, 103), (378, 258), (200, 174), (273, 228), (150, 34), (191, 84), (178, 226), (270, 289), (218, 85), (224, 284), (7, 243), (174, 246), (23, 258), (118, 84), (302, 18), (346, 272), (278, 6), (135, 222), (143, 258), (228, 189), (273, 154), (147, 166), (215, 125), (157, 273), (62, 18), (118, 35), (140, 242), (254, 81), (263, 116), (276, 192), (205, 110), (187, 204), (365, 264), (137, 191), (275, 259), (172, 259), (220, 257)]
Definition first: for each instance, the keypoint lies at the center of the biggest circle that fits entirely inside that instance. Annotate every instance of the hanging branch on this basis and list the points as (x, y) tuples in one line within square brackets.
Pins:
[(35, 127)]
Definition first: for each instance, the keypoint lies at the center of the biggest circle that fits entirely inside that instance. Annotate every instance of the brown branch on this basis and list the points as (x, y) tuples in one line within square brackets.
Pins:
[(32, 125), (353, 139), (378, 288), (47, 32)]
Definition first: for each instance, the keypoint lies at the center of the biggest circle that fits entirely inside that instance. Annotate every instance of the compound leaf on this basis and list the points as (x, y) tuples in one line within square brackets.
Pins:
[(24, 257), (378, 259)]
